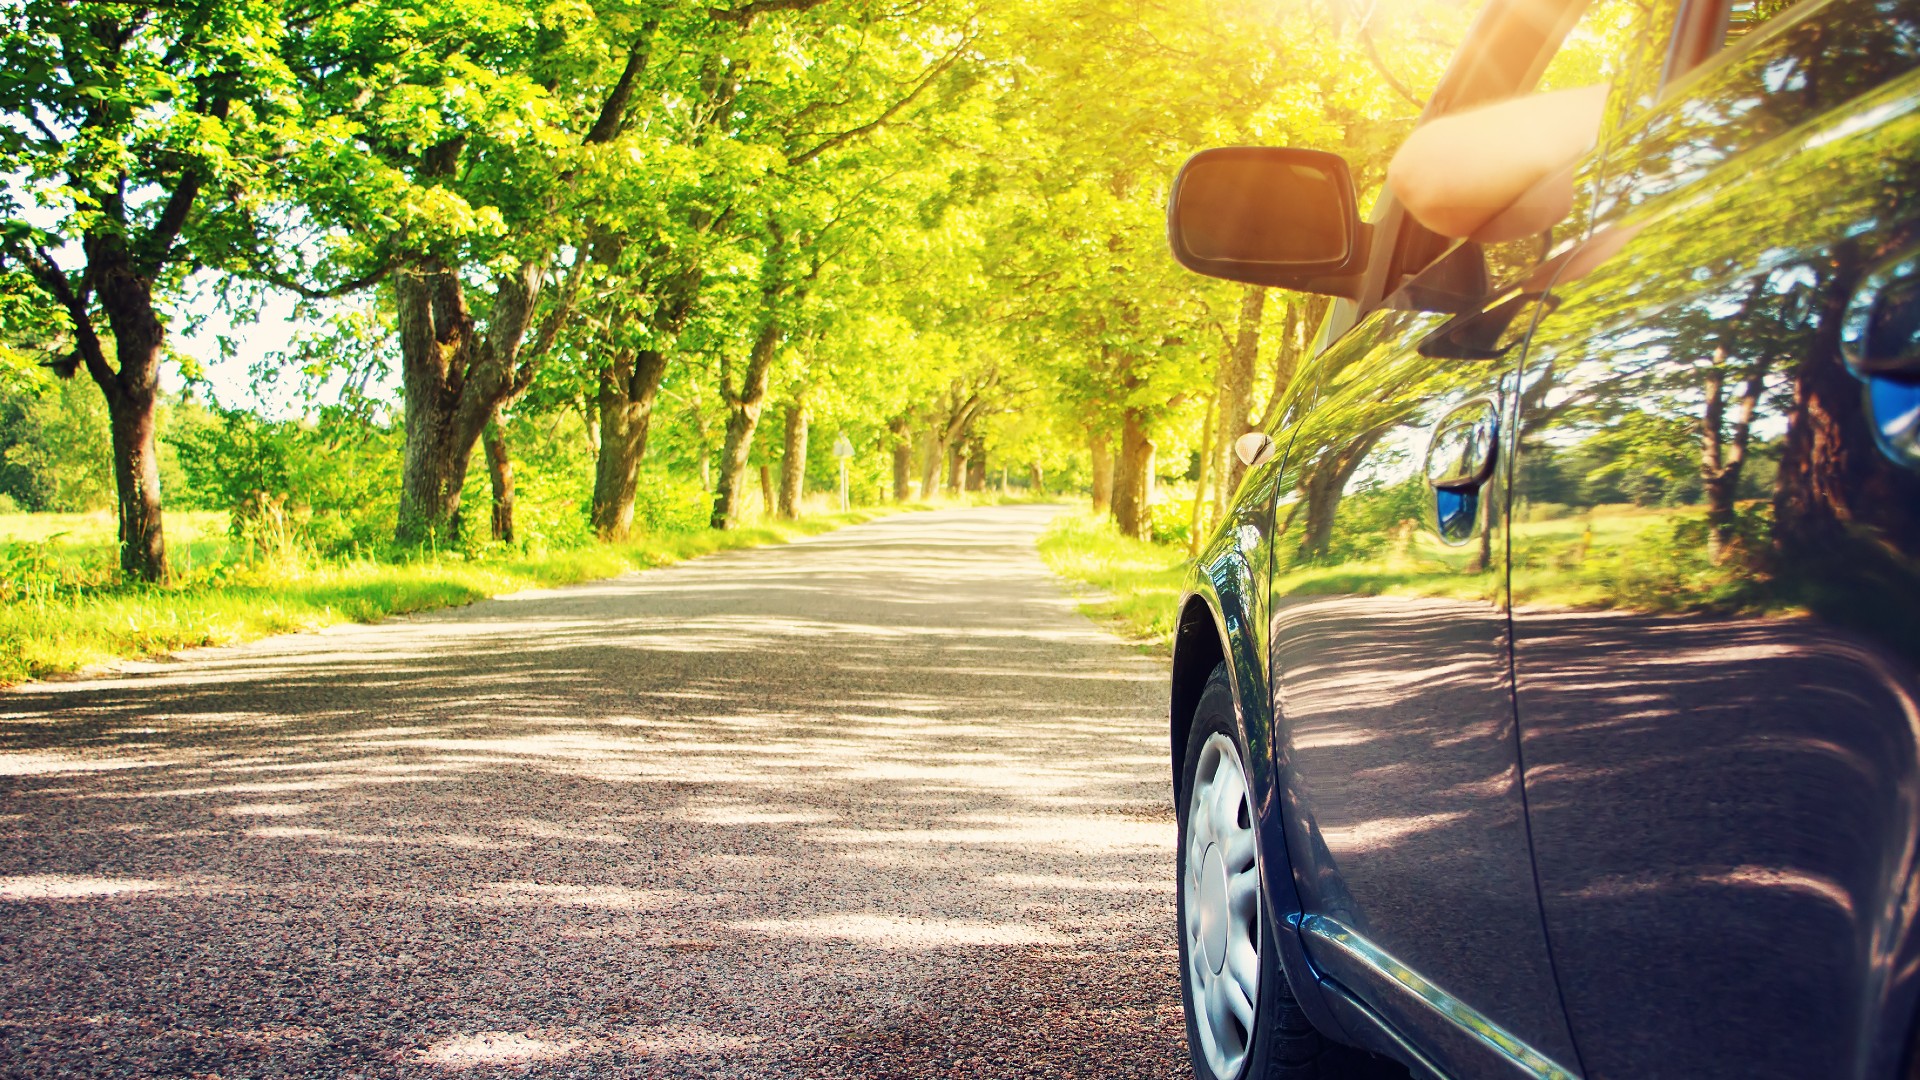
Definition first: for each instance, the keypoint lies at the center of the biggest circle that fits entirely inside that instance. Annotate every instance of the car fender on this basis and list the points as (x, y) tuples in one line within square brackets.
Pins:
[(1218, 624)]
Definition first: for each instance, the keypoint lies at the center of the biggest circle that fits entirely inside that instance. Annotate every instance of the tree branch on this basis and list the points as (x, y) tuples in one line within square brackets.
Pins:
[(1379, 65), (946, 62), (332, 292), (744, 15), (613, 114), (47, 272)]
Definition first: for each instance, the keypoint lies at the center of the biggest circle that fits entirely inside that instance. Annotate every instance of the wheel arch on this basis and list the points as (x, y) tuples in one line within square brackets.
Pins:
[(1199, 646), (1204, 638)]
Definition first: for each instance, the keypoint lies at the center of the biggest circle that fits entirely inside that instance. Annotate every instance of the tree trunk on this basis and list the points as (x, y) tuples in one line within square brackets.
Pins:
[(743, 416), (1325, 486), (1321, 499), (139, 340), (956, 466), (500, 472), (1133, 477), (136, 478), (977, 463), (1039, 478), (628, 388), (766, 490), (1236, 390), (902, 458), (793, 457), (1099, 447), (930, 467), (124, 288), (454, 379), (1197, 527)]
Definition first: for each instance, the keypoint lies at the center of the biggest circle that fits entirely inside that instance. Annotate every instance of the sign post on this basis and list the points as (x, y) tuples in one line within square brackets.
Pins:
[(843, 450)]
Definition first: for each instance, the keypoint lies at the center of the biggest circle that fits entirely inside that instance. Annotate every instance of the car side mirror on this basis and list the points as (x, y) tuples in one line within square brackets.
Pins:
[(1266, 215)]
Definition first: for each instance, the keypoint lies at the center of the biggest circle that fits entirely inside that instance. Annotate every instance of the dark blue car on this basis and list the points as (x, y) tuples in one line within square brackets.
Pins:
[(1547, 705)]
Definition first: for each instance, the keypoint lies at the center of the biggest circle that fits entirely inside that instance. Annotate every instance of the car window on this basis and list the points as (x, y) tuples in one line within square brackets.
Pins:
[(1609, 43), (1747, 96), (1714, 31)]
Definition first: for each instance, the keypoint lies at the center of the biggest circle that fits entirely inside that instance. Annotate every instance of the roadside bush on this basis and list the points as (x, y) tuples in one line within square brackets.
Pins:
[(1669, 566), (1171, 522), (1368, 521), (664, 502), (54, 445), (325, 484)]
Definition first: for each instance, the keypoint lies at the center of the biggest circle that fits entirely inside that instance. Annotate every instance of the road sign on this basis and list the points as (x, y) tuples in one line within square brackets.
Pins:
[(843, 450)]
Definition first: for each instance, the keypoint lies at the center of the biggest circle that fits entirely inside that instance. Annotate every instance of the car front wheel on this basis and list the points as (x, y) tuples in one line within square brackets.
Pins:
[(1242, 1020)]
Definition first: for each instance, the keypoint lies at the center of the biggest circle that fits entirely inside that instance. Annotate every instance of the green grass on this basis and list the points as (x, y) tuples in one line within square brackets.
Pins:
[(1137, 583), (62, 613)]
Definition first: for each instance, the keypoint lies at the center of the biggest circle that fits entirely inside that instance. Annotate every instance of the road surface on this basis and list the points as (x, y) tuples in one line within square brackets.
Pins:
[(874, 804)]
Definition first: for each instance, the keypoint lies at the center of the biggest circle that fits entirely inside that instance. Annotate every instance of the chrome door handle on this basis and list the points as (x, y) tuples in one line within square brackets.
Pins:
[(1880, 333), (1460, 460)]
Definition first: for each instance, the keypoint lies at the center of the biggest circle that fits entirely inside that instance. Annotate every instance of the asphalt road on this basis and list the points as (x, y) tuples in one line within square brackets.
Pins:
[(875, 804)]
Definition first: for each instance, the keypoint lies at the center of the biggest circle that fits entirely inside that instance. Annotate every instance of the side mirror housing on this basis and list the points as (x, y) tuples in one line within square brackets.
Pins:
[(1272, 216)]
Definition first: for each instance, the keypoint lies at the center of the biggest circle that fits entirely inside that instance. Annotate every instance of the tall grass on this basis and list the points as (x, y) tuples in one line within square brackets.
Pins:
[(1136, 584), (62, 610)]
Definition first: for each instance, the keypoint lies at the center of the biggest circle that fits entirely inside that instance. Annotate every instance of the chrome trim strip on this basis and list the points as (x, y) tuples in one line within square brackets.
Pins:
[(1415, 1060), (1456, 1012)]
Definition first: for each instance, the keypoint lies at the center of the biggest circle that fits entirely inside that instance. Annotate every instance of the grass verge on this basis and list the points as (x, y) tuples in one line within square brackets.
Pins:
[(1137, 583), (44, 635)]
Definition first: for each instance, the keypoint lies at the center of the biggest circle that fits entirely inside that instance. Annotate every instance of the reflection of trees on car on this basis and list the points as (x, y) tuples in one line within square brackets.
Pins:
[(1704, 340)]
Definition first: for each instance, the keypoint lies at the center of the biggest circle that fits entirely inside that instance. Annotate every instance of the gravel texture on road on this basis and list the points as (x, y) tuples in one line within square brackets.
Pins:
[(875, 804)]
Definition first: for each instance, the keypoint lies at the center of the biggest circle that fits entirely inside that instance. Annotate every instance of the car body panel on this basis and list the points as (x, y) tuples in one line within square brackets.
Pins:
[(1391, 688), (1716, 689)]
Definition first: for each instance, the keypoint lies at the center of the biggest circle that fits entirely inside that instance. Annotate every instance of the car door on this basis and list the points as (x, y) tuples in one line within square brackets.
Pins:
[(1716, 563), (1389, 637), (1389, 661)]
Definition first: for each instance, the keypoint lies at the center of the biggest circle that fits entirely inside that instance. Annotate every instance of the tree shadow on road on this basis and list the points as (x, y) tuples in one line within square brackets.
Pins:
[(861, 806)]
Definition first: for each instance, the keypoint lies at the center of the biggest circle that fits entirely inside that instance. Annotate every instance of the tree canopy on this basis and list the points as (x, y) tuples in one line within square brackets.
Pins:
[(626, 229)]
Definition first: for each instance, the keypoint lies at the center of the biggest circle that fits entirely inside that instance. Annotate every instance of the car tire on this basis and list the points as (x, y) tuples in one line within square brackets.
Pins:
[(1282, 1044)]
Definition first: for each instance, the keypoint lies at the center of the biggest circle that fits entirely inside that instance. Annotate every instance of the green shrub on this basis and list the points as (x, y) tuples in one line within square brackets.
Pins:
[(1171, 523), (326, 484), (664, 502), (55, 445)]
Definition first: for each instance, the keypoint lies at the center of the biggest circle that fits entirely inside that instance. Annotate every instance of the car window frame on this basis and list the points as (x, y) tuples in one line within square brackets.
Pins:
[(1700, 40), (1472, 78)]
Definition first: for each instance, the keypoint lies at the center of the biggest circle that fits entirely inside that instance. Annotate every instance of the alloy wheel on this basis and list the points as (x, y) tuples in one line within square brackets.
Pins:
[(1221, 890)]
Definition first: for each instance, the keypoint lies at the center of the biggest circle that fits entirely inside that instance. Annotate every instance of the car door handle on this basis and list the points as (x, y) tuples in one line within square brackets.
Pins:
[(1465, 446), (1460, 460), (1880, 333)]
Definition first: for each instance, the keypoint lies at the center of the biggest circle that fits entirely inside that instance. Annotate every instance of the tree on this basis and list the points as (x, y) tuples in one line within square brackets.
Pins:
[(125, 122), (445, 151)]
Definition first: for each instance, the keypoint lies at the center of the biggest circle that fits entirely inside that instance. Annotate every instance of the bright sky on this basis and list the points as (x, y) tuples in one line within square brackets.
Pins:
[(231, 378)]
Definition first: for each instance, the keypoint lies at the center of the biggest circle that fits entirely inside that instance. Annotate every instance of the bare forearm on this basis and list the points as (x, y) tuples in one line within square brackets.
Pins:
[(1502, 168)]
